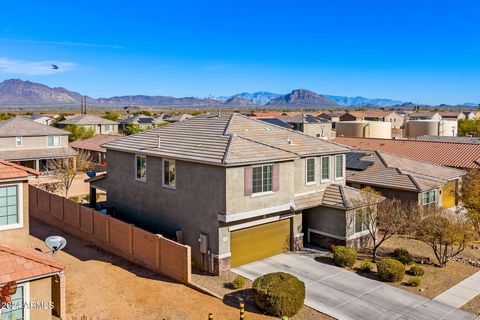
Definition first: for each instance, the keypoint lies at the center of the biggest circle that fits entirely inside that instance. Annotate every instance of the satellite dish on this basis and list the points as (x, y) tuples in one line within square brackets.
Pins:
[(55, 243)]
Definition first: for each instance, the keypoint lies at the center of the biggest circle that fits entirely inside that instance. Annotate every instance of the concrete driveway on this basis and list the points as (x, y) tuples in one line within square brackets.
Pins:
[(346, 295)]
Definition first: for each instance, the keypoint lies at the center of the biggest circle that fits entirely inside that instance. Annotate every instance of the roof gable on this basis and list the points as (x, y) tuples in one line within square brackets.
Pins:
[(25, 127), (86, 119)]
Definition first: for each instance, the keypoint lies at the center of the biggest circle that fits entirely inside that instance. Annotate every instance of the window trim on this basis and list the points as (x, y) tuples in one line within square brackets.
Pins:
[(16, 142), (256, 194), (343, 167), (428, 197), (144, 179), (163, 174), (59, 141), (355, 232), (26, 299), (19, 224), (314, 181), (321, 170)]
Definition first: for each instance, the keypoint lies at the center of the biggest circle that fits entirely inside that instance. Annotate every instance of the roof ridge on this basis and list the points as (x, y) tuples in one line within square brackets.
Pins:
[(44, 260), (227, 149), (342, 194), (417, 160)]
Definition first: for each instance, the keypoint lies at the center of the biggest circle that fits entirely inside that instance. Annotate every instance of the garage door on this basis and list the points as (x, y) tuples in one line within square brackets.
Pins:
[(259, 242), (448, 194)]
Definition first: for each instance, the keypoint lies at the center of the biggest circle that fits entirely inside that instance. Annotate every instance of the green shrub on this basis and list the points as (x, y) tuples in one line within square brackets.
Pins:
[(390, 270), (238, 283), (402, 255), (414, 281), (279, 294), (366, 266), (416, 271), (344, 256)]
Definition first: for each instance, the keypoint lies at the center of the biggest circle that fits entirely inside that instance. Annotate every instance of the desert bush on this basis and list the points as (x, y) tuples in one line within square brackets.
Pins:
[(366, 266), (344, 256), (414, 282), (279, 294), (416, 271), (402, 255), (390, 270), (238, 283)]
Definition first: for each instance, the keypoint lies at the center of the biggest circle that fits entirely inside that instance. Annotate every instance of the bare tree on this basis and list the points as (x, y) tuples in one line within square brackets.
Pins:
[(51, 187), (382, 219), (470, 196), (447, 233), (66, 169)]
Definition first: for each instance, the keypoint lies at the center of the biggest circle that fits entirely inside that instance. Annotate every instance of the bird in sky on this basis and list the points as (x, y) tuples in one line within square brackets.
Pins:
[(54, 67)]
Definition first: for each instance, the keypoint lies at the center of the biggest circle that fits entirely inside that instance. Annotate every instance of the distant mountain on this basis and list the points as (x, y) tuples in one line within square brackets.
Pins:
[(361, 101), (155, 101), (259, 98), (302, 98), (238, 101)]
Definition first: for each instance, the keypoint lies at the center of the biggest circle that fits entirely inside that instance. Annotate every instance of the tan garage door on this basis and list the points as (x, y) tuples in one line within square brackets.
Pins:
[(259, 242)]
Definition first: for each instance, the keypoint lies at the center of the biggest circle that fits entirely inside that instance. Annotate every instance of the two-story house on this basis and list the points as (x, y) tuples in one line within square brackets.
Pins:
[(88, 121), (32, 144), (234, 188), (37, 278)]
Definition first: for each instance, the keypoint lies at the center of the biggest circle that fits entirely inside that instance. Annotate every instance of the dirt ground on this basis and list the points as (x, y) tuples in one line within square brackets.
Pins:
[(103, 286), (78, 187)]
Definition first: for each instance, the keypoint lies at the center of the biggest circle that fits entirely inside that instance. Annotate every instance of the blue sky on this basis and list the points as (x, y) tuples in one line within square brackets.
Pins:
[(420, 51)]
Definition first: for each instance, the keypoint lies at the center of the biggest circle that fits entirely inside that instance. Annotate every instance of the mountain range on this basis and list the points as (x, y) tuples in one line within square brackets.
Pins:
[(19, 93)]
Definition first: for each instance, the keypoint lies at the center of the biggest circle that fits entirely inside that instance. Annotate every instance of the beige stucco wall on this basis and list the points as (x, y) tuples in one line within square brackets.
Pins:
[(18, 234), (395, 119), (318, 130), (325, 219), (237, 202), (41, 291), (38, 142)]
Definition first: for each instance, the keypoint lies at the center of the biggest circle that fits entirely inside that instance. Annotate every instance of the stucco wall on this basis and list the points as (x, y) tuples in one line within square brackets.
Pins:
[(39, 142), (41, 292), (192, 207), (301, 185), (325, 219), (318, 130), (14, 235)]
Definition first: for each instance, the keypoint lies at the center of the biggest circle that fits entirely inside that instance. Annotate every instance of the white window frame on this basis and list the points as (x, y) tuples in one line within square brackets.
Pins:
[(59, 141), (263, 192), (19, 224), (26, 299), (108, 127), (144, 179), (335, 167), (362, 232), (163, 174), (309, 183), (321, 169), (428, 192), (17, 140)]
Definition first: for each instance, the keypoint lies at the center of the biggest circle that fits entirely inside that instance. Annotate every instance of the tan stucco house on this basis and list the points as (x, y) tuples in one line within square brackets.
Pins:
[(88, 121), (234, 188)]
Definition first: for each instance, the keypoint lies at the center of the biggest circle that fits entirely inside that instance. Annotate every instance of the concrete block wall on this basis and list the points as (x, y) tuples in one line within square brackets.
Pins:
[(150, 250)]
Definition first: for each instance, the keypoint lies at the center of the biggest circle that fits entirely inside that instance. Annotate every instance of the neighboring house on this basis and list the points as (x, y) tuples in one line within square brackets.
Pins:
[(408, 180), (277, 122), (41, 118), (472, 140), (93, 146), (32, 144), (334, 117), (470, 115), (393, 117), (144, 122), (425, 116), (38, 278), (234, 188), (310, 125), (88, 121), (179, 117), (452, 115), (455, 155)]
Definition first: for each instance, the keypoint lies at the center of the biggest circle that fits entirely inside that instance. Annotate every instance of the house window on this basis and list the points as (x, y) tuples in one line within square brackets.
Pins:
[(360, 218), (310, 170), (53, 141), (16, 308), (141, 168), (108, 127), (262, 179), (339, 167), (325, 169), (8, 206), (428, 197), (169, 173), (18, 141)]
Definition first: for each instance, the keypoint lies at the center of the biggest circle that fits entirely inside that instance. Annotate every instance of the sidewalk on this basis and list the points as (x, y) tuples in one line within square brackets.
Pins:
[(462, 292)]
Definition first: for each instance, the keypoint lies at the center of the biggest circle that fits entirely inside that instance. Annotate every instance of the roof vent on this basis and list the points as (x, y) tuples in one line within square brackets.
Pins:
[(289, 141), (218, 113)]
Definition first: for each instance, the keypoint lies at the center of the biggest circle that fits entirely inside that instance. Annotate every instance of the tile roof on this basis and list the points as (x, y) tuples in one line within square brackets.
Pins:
[(94, 143), (425, 114), (302, 118), (24, 127), (457, 155), (472, 140), (19, 263), (397, 172), (335, 195), (228, 139), (277, 122), (86, 119), (9, 170), (43, 153)]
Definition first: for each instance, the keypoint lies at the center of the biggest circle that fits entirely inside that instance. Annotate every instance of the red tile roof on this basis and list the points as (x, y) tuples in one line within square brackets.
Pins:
[(94, 143), (457, 155), (9, 170), (19, 263)]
